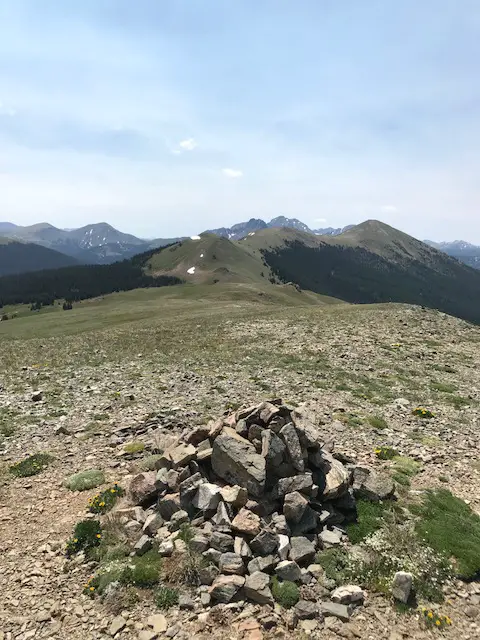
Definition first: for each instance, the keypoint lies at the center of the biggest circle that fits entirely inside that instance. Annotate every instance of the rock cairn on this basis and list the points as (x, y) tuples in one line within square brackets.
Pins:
[(262, 491)]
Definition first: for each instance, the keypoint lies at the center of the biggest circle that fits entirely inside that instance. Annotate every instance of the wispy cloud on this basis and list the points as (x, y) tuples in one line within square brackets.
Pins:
[(232, 173), (320, 220), (189, 144), (389, 208)]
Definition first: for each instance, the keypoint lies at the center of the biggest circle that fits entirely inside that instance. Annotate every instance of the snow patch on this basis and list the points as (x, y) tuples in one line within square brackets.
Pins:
[(252, 233), (201, 255), (191, 271), (195, 238)]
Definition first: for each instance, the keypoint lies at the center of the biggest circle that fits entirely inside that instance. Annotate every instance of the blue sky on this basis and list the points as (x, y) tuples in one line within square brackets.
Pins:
[(166, 117)]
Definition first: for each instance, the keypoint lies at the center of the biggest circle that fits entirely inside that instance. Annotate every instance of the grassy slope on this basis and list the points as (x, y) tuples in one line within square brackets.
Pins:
[(147, 304), (222, 260)]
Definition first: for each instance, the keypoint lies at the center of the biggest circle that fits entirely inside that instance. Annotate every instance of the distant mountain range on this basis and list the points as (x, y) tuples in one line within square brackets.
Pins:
[(103, 244), (369, 263)]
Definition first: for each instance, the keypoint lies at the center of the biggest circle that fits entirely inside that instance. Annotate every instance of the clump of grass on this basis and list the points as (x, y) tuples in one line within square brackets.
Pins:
[(377, 422), (166, 597), (32, 465), (404, 468), (85, 480), (186, 533), (104, 501), (386, 453), (442, 387), (286, 593), (452, 529), (86, 535), (369, 518), (435, 620), (134, 447), (148, 463), (143, 571), (425, 414), (334, 563)]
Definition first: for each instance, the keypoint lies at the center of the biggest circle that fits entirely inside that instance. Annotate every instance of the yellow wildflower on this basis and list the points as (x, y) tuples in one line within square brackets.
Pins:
[(438, 623), (92, 588), (98, 536), (430, 615)]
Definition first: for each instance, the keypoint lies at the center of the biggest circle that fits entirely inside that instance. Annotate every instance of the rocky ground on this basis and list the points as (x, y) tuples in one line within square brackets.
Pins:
[(361, 370)]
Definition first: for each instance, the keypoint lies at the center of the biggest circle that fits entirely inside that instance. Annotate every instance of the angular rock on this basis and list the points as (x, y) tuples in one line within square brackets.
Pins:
[(288, 570), (241, 548), (158, 622), (302, 551), (330, 538), (246, 522), (283, 546), (212, 555), (221, 541), (348, 594), (302, 483), (177, 519), (142, 489), (309, 435), (340, 611), (166, 548), (37, 396), (402, 586), (265, 565), (204, 454), (152, 524), (189, 486), (207, 497), (306, 610), (172, 479), (207, 575), (117, 625), (161, 480), (336, 478), (231, 563), (225, 588), (264, 543), (241, 427), (143, 545), (235, 496), (273, 448), (186, 603), (182, 454), (222, 516), (199, 543), (236, 461), (280, 525), (368, 485), (308, 522), (294, 506), (268, 411), (257, 588), (169, 505), (292, 442), (197, 435)]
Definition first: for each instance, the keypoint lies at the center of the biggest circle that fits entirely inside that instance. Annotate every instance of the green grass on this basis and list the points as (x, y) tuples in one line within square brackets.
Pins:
[(85, 480), (166, 597), (286, 593), (86, 535), (451, 528), (31, 466), (442, 387), (134, 447), (377, 422), (404, 468), (369, 519)]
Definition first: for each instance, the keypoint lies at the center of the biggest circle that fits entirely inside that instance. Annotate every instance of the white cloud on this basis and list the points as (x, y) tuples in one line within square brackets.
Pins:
[(232, 173), (189, 144), (320, 220), (389, 208)]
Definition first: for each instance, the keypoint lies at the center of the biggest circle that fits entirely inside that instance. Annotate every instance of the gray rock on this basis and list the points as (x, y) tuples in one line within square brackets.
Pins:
[(207, 497), (204, 454), (246, 522), (306, 610), (235, 496), (329, 538), (280, 525), (142, 489), (165, 549), (265, 565), (222, 517), (152, 524), (368, 485), (231, 563), (333, 609), (212, 555), (348, 594), (241, 548), (310, 437), (189, 487), (402, 586), (273, 449), (169, 505), (308, 522), (292, 442), (265, 543), (143, 545), (161, 480), (236, 461), (185, 602), (241, 427), (37, 396), (283, 546), (268, 411), (177, 519), (288, 570), (225, 588), (336, 478), (207, 575), (302, 483), (199, 543), (205, 598), (257, 588), (221, 541), (302, 551), (294, 506), (182, 454)]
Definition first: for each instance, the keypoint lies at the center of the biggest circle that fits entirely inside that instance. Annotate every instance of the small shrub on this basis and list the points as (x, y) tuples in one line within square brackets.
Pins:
[(369, 519), (386, 453), (104, 501), (334, 563), (452, 529), (404, 468), (186, 533), (134, 447), (434, 620), (286, 593), (85, 480), (32, 465), (443, 388), (148, 463), (377, 422), (166, 597), (143, 571), (86, 535), (183, 568), (425, 414)]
